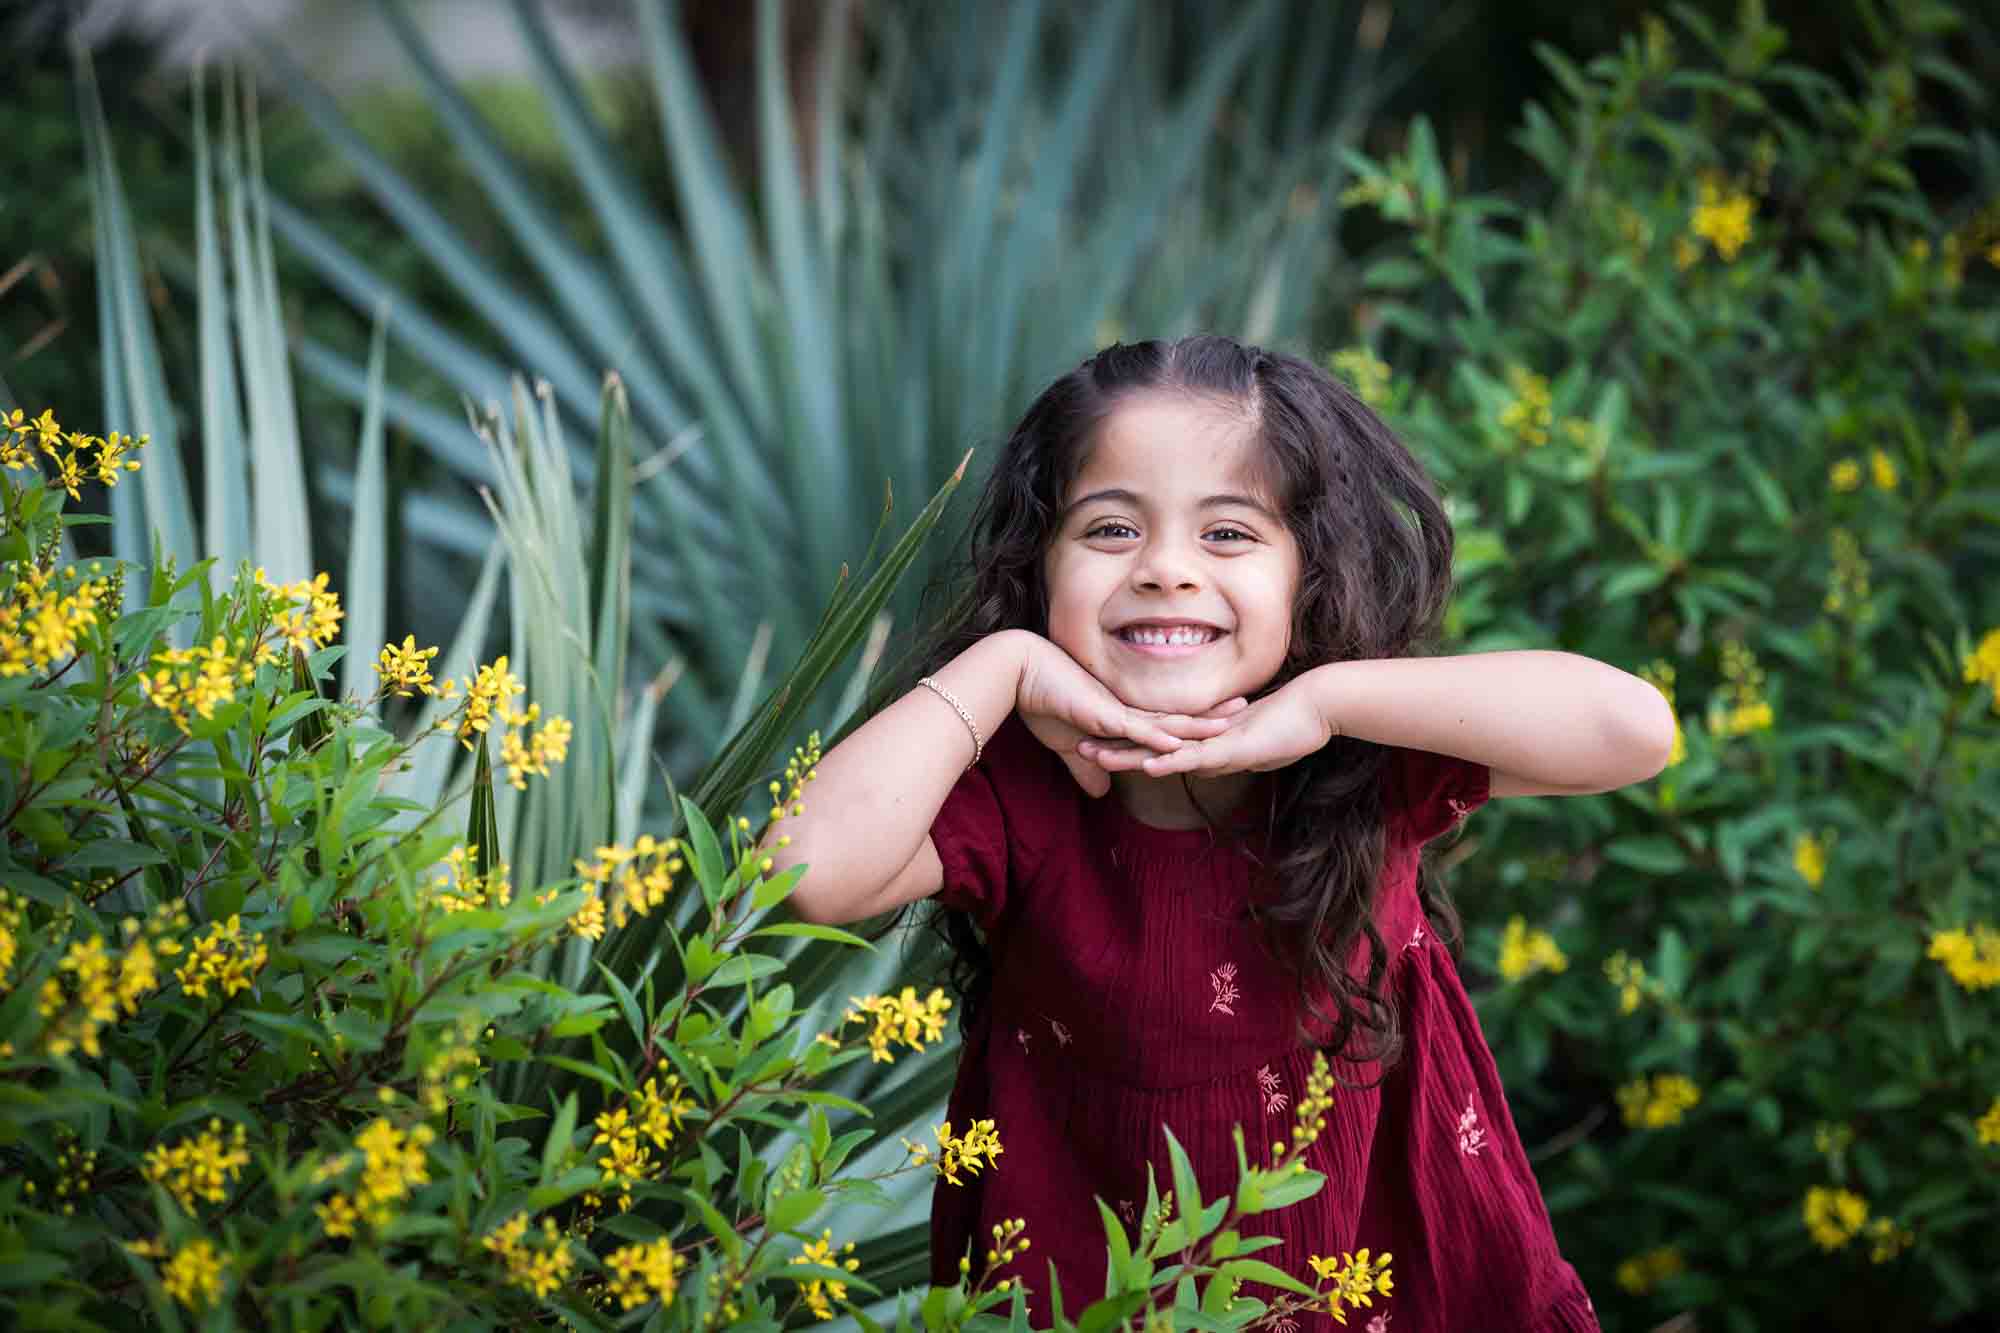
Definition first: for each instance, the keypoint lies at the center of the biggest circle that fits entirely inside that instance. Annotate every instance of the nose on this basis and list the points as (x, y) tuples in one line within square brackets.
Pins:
[(1165, 564)]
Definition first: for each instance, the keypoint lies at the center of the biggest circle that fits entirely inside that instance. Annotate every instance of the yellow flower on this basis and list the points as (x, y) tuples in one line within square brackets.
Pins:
[(86, 1004), (901, 1018), (1722, 218), (203, 1167), (661, 1112), (1355, 1277), (536, 1269), (194, 1275), (1530, 414), (1809, 858), (1368, 373), (1844, 476), (820, 1293), (406, 668), (1972, 957), (198, 678), (1524, 951), (1740, 707), (1834, 1216), (111, 459), (1886, 1240), (393, 1164), (640, 1273), (225, 957), (1988, 1125), (1658, 1104), (1629, 975), (1882, 470), (1982, 664), (339, 1215), (488, 695), (461, 888), (979, 1146), (1643, 1272)]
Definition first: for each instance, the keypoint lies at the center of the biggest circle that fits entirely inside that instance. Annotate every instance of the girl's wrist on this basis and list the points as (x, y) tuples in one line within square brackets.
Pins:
[(983, 681)]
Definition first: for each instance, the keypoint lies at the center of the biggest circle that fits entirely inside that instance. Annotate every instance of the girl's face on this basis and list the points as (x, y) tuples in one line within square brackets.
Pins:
[(1171, 576)]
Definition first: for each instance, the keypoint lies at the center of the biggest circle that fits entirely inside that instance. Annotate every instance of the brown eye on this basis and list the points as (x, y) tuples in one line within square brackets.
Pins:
[(1112, 529)]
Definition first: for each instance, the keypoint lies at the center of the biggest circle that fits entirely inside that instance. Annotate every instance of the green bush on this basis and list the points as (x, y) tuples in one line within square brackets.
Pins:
[(1717, 406), (279, 1050)]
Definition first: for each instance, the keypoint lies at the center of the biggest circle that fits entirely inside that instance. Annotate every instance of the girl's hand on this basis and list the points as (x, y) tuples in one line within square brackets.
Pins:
[(1283, 726), (1066, 708)]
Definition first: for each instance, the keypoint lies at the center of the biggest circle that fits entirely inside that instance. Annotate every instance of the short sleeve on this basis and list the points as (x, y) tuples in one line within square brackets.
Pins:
[(1427, 794), (984, 832)]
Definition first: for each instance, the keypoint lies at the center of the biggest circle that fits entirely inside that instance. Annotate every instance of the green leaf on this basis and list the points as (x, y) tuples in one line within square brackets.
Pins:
[(792, 1210), (560, 1142), (813, 931), (1256, 1270)]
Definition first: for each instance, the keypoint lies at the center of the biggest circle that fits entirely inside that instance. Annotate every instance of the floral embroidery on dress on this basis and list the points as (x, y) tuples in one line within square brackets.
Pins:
[(1284, 1324), (1471, 1137), (1223, 981), (1128, 1210), (1267, 1083), (1380, 1323), (1416, 937), (1459, 809), (1062, 1033), (1021, 1035)]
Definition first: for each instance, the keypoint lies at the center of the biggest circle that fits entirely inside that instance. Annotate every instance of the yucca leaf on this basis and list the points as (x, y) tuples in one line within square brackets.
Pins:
[(816, 433), (726, 780), (311, 730), (225, 493), (596, 308), (482, 829), (281, 524), (142, 394), (725, 269), (649, 265), (474, 374), (521, 322), (366, 590), (608, 565)]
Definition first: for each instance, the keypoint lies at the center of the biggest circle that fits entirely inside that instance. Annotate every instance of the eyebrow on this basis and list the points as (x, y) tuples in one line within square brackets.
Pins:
[(1123, 496)]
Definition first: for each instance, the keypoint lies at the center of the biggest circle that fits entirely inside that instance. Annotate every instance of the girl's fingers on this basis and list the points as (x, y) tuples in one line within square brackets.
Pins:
[(1093, 779), (1215, 755), (1228, 708), (1114, 756)]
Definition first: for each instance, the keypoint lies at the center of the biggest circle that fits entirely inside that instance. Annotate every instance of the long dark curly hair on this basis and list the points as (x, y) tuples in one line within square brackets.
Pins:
[(1375, 551)]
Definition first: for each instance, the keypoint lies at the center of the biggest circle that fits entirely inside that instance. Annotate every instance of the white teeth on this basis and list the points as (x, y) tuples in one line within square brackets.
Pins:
[(1180, 635)]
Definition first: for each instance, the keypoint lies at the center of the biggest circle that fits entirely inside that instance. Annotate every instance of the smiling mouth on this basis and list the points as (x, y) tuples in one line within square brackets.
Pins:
[(1164, 637)]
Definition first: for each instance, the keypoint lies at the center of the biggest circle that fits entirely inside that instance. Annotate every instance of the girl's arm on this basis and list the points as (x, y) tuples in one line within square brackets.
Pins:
[(1544, 723), (865, 832)]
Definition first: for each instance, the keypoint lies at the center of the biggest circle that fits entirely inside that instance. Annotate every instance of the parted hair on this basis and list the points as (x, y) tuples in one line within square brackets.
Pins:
[(1375, 574)]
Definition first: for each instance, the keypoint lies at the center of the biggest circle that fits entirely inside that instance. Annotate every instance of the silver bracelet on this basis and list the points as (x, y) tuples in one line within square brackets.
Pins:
[(978, 745)]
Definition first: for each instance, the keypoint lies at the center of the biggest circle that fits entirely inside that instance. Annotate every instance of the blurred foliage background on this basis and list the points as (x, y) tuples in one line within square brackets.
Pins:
[(830, 247)]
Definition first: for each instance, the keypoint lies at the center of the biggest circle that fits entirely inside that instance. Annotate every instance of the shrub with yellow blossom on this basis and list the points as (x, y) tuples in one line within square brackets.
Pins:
[(323, 1056), (1769, 344)]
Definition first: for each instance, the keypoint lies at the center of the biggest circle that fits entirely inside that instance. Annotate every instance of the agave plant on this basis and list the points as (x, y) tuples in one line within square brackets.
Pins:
[(777, 364), (975, 215)]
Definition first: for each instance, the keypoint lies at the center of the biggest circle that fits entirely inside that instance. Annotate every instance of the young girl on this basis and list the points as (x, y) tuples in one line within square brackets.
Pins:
[(1175, 761)]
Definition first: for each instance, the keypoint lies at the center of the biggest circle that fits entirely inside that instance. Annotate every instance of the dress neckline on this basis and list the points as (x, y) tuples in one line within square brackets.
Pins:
[(1131, 831)]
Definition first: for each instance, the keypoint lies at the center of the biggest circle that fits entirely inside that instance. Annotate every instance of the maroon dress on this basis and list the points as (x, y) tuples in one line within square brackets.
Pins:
[(1131, 992)]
